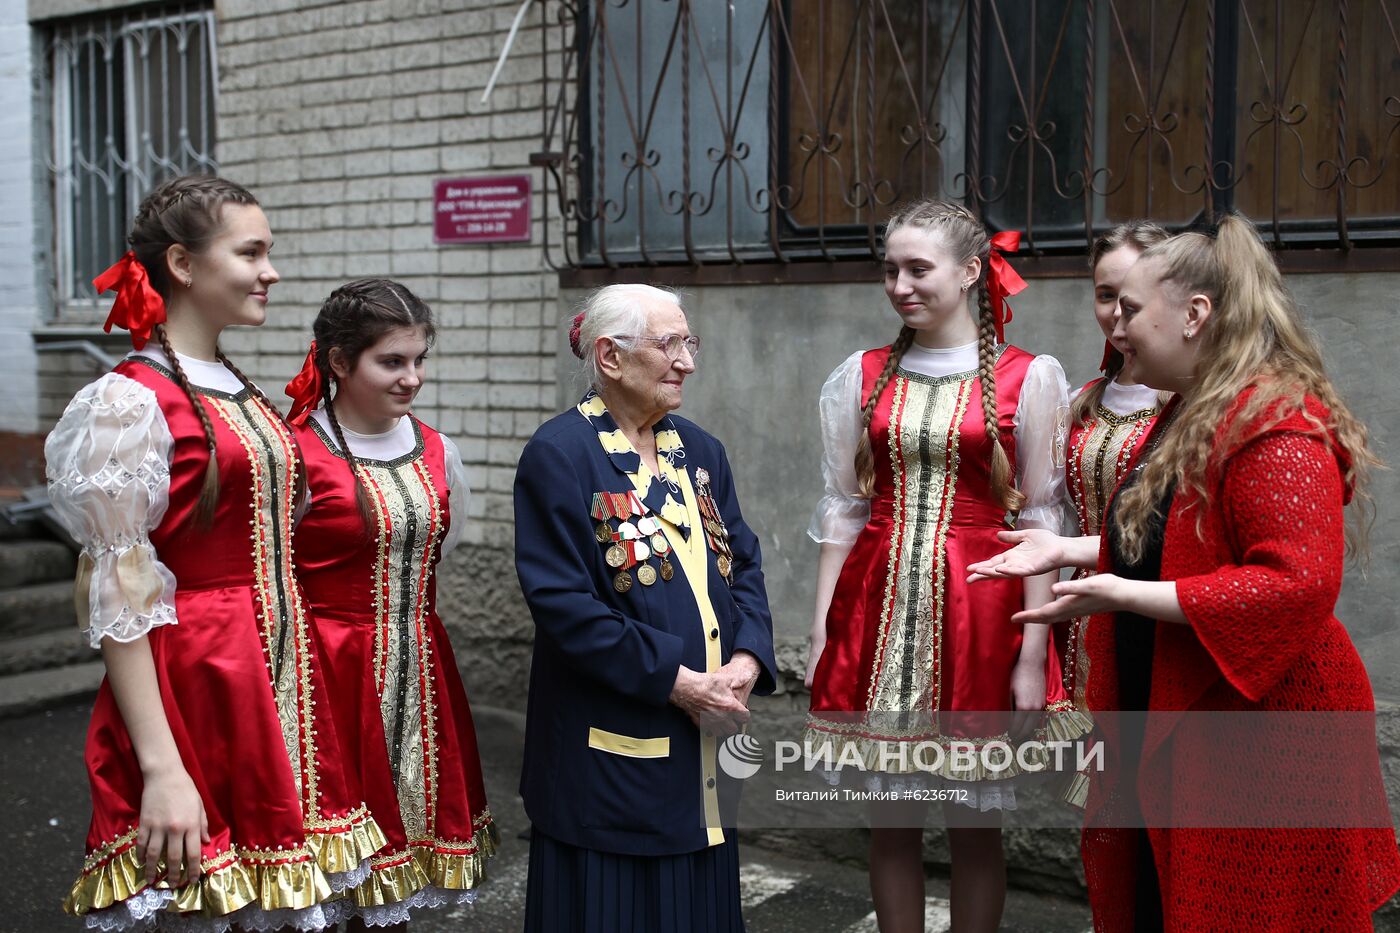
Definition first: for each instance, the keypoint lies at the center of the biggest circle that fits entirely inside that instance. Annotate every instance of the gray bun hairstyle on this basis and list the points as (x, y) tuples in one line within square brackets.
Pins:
[(614, 311)]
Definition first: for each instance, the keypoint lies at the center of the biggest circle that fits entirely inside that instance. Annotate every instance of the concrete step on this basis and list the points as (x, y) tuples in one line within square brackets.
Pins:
[(23, 693), (45, 650), (32, 561), (20, 530), (36, 607)]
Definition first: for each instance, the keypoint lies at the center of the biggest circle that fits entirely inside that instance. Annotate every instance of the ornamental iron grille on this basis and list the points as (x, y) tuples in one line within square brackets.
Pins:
[(132, 101), (698, 132)]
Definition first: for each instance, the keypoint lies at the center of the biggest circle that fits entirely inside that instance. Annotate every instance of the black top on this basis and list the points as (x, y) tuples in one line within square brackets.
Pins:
[(1134, 634)]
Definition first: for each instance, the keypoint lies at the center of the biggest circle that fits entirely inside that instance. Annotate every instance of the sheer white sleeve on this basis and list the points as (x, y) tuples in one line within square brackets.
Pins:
[(841, 513), (458, 495), (1042, 424), (108, 466)]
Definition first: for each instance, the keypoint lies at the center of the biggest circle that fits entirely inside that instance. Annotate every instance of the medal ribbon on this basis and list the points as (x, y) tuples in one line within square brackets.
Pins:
[(660, 499)]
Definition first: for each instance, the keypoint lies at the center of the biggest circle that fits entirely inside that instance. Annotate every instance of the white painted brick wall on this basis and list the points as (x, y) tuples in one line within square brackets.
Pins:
[(19, 389), (340, 116)]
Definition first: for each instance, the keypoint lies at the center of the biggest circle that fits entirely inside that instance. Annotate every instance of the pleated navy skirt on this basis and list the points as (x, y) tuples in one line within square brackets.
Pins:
[(573, 890)]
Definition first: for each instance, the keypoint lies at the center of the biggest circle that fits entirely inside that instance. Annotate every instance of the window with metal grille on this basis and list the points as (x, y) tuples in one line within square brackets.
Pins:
[(786, 130), (133, 102)]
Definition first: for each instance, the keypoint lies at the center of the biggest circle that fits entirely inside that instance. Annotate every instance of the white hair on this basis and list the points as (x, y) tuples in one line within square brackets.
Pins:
[(614, 311)]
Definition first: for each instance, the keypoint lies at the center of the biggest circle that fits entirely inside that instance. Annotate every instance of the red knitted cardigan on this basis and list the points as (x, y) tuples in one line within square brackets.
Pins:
[(1258, 586)]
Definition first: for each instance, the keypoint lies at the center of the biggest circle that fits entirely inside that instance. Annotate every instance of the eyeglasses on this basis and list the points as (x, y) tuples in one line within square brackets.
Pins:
[(671, 344)]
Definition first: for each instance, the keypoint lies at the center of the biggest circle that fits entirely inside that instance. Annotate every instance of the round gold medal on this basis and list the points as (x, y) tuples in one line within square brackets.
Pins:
[(603, 533), (722, 563), (646, 574), (667, 571), (616, 557), (659, 544), (622, 582)]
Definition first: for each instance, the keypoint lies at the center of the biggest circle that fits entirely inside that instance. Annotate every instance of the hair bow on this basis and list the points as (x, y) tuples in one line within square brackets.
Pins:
[(305, 389), (138, 307), (1108, 352), (574, 334), (1002, 280)]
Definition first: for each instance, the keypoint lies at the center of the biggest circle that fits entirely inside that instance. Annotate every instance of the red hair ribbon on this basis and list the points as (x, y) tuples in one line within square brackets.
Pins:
[(139, 307), (1002, 280), (573, 334), (305, 389), (1107, 356)]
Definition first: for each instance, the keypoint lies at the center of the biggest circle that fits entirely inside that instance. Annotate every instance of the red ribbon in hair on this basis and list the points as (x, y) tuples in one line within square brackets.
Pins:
[(1107, 356), (574, 334), (305, 389), (1002, 280), (139, 307)]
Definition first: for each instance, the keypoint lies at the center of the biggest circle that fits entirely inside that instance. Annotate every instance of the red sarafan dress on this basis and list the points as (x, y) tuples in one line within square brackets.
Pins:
[(233, 648), (913, 652), (1099, 452), (1258, 568), (395, 689)]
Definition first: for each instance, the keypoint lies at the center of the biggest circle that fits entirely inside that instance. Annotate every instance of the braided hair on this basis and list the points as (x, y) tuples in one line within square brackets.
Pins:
[(186, 210), (964, 237), (352, 319)]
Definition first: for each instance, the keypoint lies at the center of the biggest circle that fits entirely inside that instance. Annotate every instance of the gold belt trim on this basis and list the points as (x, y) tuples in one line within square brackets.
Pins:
[(627, 746)]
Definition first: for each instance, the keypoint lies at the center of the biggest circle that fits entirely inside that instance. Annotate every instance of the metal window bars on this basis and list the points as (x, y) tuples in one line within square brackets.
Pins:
[(133, 100), (693, 133)]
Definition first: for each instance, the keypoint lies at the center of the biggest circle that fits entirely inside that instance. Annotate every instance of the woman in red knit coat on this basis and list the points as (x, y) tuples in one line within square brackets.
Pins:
[(1219, 568)]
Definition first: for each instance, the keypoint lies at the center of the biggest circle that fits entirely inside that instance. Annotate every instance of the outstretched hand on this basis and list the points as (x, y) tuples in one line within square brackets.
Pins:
[(1036, 551), (1075, 598)]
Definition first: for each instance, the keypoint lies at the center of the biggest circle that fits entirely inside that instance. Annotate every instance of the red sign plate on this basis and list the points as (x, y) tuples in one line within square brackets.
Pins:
[(485, 209)]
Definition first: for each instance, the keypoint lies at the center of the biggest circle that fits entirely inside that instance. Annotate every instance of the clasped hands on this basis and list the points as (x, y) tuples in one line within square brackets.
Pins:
[(717, 702)]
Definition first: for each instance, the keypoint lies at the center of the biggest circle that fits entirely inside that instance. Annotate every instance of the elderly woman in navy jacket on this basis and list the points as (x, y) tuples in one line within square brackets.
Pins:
[(652, 628)]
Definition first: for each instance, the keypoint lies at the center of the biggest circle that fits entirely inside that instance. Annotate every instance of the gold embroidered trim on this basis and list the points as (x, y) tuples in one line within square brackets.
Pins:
[(284, 624), (454, 865), (275, 879)]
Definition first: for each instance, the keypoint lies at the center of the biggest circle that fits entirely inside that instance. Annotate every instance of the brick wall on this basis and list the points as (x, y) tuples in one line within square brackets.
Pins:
[(340, 116), (19, 397)]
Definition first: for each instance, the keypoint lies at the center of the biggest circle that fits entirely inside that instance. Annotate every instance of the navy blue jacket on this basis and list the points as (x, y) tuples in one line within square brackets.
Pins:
[(610, 764)]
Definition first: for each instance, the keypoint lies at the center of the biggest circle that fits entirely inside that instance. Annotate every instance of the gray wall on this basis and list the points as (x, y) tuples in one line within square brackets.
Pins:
[(768, 349), (19, 302)]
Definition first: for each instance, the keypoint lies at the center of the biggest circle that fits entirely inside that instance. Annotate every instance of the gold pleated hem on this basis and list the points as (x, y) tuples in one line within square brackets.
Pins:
[(834, 745), (286, 879), (1076, 794), (344, 844), (450, 865)]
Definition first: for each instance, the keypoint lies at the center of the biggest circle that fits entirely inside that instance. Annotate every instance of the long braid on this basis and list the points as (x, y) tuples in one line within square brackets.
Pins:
[(299, 475), (361, 493), (209, 492), (865, 453), (1003, 490)]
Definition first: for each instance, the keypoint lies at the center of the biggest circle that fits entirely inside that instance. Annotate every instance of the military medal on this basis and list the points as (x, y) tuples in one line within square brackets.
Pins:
[(646, 575), (716, 534), (616, 556), (622, 582), (667, 571), (603, 533), (659, 544)]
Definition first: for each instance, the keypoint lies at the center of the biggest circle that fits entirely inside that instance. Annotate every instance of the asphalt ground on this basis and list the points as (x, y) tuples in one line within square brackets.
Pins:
[(46, 797)]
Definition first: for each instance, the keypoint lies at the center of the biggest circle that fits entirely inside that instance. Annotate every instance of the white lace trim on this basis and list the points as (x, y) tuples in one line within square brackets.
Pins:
[(344, 880), (146, 911), (428, 898)]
